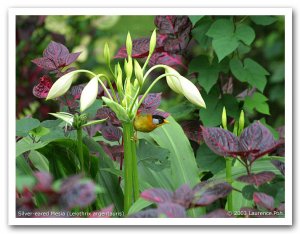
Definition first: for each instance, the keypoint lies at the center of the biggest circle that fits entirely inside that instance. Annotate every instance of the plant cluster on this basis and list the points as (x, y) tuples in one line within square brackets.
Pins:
[(217, 157)]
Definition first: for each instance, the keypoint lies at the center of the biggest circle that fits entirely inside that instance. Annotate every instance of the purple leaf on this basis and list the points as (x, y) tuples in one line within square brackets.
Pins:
[(257, 179), (150, 103), (57, 53), (171, 24), (44, 181), (220, 141), (179, 44), (140, 49), (114, 152), (60, 74), (279, 165), (157, 195), (281, 207), (149, 213), (45, 63), (104, 213), (192, 130), (219, 213), (257, 140), (263, 200), (183, 196), (161, 113), (171, 210), (41, 90), (111, 133), (77, 193), (207, 192), (106, 112), (176, 61), (70, 58)]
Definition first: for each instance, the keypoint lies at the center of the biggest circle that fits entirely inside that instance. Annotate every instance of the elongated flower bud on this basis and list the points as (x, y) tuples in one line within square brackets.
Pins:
[(182, 85), (138, 71), (61, 86), (89, 94), (224, 118), (107, 54), (129, 45), (152, 42)]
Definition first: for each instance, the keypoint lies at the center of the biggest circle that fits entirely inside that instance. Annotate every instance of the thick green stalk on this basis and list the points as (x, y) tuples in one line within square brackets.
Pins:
[(79, 148), (229, 180), (128, 166), (135, 179)]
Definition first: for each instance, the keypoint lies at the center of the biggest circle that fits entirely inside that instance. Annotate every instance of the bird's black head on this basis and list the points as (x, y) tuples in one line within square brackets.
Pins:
[(157, 119)]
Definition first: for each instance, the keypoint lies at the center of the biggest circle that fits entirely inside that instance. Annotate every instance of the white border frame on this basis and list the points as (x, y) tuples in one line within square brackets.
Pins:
[(13, 12)]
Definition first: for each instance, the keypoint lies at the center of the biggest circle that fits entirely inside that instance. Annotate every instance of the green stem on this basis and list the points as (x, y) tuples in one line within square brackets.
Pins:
[(110, 86), (79, 148), (135, 178), (128, 183), (229, 180), (105, 89)]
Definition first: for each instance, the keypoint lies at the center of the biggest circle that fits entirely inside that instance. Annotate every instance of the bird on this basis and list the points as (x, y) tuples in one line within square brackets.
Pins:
[(148, 122)]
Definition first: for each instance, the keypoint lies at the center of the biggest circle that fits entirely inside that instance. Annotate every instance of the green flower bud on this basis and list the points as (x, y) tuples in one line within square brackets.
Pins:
[(107, 54), (129, 45), (224, 118), (152, 42), (128, 66), (138, 71), (241, 122)]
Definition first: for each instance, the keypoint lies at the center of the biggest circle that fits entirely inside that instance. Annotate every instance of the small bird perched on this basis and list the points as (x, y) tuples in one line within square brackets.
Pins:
[(148, 122)]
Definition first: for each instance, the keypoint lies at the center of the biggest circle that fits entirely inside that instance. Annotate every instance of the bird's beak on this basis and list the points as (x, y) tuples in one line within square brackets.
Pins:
[(166, 121)]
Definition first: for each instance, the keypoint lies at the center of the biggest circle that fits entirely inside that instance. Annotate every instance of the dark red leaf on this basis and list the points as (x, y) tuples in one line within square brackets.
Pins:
[(157, 195), (220, 141), (104, 213), (111, 133), (176, 61), (150, 103), (179, 43), (41, 90), (257, 179), (140, 49), (45, 63), (183, 196), (279, 165), (114, 152), (60, 74), (171, 210), (264, 200), (44, 181), (219, 213), (192, 130), (149, 213), (206, 193)]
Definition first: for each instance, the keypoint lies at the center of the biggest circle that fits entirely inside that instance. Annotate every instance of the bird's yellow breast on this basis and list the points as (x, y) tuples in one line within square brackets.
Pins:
[(144, 123)]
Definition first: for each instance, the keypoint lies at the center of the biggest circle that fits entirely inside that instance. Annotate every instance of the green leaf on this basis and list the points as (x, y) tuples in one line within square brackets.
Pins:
[(51, 123), (40, 131), (183, 164), (250, 72), (113, 171), (245, 33), (224, 42), (117, 108), (25, 125), (212, 115), (39, 161), (200, 30), (67, 117), (195, 18), (226, 38), (208, 73), (263, 19), (257, 102), (138, 206), (26, 144), (152, 156), (24, 181), (208, 160), (98, 121)]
